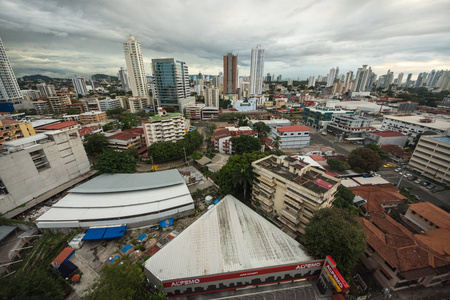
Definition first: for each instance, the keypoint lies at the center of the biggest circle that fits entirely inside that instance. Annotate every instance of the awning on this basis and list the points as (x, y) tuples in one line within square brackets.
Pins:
[(108, 232), (355, 139)]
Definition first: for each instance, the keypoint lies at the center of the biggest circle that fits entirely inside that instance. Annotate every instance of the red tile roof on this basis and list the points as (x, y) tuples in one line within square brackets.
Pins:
[(128, 134), (376, 195), (59, 125), (317, 157), (433, 213), (400, 248), (86, 130), (8, 121), (387, 133), (293, 128)]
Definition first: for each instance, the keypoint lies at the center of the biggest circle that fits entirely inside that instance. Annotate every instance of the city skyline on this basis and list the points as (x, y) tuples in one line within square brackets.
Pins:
[(61, 39)]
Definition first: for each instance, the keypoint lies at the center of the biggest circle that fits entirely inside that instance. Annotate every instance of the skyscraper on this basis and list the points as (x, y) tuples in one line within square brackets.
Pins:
[(212, 96), (171, 81), (362, 78), (9, 88), (311, 81), (79, 85), (256, 71), (408, 80), (230, 77), (331, 77), (124, 79), (135, 67), (400, 79)]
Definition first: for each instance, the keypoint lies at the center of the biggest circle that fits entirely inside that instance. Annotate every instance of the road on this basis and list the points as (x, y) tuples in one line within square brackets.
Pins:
[(441, 199), (328, 140)]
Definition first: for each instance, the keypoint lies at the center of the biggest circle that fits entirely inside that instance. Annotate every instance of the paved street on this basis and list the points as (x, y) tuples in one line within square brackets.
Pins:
[(329, 140), (441, 199)]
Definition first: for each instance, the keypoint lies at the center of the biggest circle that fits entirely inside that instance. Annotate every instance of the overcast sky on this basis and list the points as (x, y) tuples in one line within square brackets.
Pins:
[(301, 38)]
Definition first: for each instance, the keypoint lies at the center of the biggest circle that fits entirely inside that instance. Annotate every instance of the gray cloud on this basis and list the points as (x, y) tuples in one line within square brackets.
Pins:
[(63, 38)]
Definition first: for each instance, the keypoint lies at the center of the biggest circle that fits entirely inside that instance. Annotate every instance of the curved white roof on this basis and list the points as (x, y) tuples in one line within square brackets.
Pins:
[(230, 237)]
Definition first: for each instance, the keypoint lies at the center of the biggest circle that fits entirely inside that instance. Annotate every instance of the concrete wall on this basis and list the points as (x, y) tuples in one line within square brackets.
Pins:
[(66, 160)]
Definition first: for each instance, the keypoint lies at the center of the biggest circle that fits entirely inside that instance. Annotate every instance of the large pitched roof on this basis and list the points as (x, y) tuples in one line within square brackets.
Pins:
[(229, 237), (399, 247), (128, 134), (376, 195), (433, 213)]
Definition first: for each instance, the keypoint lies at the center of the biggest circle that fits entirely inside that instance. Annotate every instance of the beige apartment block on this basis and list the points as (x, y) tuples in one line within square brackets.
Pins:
[(93, 117), (290, 191), (59, 103), (432, 157), (167, 127)]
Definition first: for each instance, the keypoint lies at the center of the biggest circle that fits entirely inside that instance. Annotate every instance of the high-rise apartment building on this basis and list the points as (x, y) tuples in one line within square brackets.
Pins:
[(230, 71), (256, 71), (9, 88), (79, 85), (408, 80), (331, 77), (212, 96), (46, 90), (311, 81), (135, 67), (124, 79), (171, 81), (399, 79), (362, 79)]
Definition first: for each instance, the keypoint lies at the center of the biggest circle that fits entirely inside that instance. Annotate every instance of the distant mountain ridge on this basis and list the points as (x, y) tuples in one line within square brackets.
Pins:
[(37, 77)]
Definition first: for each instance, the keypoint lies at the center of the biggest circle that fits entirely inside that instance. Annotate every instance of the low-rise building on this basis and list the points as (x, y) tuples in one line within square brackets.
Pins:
[(65, 126), (93, 117), (59, 103), (164, 127), (290, 191), (76, 106), (432, 157), (34, 165), (400, 259), (412, 125), (108, 103), (11, 129), (349, 126), (41, 106), (379, 197), (385, 138), (320, 116), (210, 113), (137, 104), (426, 216), (126, 139), (194, 112), (221, 138), (89, 130), (90, 104), (293, 137)]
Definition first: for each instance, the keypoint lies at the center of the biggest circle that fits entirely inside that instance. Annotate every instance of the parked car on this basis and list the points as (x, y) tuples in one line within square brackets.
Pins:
[(425, 183), (430, 186), (418, 181), (412, 178), (398, 170)]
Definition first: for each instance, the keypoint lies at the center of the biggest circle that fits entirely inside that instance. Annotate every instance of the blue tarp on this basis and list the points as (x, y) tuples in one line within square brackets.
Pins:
[(113, 258), (94, 234), (115, 232), (166, 223), (67, 268), (126, 248), (141, 237), (217, 201)]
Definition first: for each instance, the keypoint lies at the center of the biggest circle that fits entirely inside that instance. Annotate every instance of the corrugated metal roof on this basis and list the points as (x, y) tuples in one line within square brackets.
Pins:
[(230, 237), (111, 183)]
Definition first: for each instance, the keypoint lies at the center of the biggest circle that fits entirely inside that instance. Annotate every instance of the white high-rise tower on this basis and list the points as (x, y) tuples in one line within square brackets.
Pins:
[(124, 79), (257, 71), (135, 67), (79, 85), (9, 88)]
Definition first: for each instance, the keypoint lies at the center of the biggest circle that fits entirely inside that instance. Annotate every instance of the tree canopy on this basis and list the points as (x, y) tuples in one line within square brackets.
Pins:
[(364, 160), (95, 143), (375, 147), (245, 144), (237, 175), (262, 128), (333, 231), (344, 199), (121, 281), (111, 161), (337, 164), (168, 151)]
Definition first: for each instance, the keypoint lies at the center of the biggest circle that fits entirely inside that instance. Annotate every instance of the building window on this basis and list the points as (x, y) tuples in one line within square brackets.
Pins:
[(40, 160)]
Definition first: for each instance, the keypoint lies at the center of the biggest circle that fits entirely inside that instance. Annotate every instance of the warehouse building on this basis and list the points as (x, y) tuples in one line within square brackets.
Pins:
[(228, 248), (131, 199)]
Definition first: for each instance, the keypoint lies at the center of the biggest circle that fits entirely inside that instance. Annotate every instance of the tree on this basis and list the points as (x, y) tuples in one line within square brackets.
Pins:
[(338, 165), (344, 199), (35, 285), (197, 155), (111, 161), (95, 143), (333, 231), (167, 150), (262, 128), (121, 281), (210, 127), (128, 121), (375, 147), (237, 175), (364, 160), (243, 122), (115, 113), (133, 152), (276, 142), (73, 111), (245, 144), (109, 126)]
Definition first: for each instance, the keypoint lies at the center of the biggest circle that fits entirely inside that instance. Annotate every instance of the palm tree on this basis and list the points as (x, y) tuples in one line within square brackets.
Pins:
[(243, 177), (276, 142)]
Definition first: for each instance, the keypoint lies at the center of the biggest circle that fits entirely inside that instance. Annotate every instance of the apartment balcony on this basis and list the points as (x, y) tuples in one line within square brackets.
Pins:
[(291, 216), (293, 203), (266, 201), (267, 181), (266, 188), (288, 224), (293, 196)]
